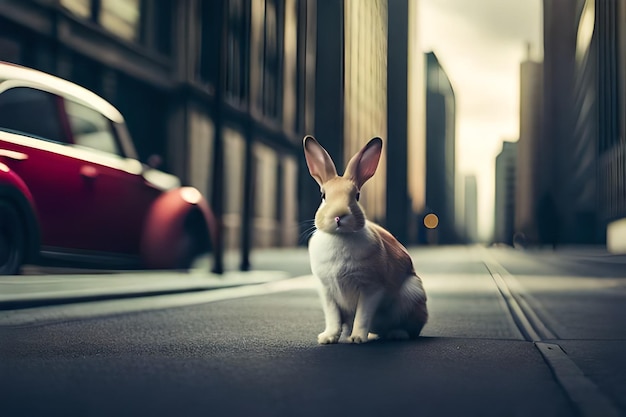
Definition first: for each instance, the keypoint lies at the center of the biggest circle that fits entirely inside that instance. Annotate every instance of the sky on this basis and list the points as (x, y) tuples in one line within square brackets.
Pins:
[(480, 44)]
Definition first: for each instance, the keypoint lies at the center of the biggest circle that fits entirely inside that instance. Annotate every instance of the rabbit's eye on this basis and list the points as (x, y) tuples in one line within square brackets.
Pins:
[(358, 195), (323, 195)]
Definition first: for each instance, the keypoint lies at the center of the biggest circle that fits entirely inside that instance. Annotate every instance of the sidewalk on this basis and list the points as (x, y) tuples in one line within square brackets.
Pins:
[(589, 254), (26, 291)]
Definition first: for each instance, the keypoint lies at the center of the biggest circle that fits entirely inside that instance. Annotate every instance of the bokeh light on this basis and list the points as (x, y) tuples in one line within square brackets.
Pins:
[(431, 221)]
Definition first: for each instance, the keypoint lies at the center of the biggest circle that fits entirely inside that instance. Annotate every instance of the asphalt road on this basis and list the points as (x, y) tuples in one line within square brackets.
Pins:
[(510, 334)]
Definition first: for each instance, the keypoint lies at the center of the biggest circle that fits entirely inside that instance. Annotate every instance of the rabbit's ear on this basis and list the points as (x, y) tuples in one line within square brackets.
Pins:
[(363, 165), (320, 164)]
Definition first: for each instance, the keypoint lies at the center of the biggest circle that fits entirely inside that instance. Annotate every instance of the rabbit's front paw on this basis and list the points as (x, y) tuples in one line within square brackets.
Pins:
[(328, 338), (358, 338)]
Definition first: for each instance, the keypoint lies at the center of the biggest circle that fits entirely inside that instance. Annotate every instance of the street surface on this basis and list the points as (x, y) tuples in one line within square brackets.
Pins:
[(511, 333)]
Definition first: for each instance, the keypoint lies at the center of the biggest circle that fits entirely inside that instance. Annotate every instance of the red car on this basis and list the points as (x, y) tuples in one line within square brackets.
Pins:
[(73, 191)]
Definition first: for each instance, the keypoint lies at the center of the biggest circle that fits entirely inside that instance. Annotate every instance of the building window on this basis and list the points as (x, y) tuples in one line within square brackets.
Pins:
[(237, 50), (156, 25), (147, 23), (121, 17), (301, 73), (271, 90), (81, 8), (209, 41), (290, 65), (267, 30)]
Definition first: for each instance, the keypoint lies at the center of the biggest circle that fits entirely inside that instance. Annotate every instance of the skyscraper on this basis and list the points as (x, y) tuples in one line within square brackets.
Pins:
[(585, 78), (505, 196), (608, 45), (470, 206), (533, 178), (406, 141), (369, 82), (440, 149)]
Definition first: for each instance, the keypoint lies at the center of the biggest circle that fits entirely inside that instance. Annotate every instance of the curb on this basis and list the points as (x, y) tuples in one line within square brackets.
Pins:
[(23, 292)]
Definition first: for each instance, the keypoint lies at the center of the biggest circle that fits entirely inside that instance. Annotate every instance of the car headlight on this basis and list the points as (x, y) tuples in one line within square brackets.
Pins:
[(190, 195)]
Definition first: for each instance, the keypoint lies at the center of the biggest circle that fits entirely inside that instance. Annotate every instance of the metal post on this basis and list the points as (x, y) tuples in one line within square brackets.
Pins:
[(246, 217), (246, 220), (217, 202)]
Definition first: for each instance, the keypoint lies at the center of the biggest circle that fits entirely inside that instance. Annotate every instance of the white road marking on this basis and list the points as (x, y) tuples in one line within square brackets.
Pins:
[(582, 391), (586, 395), (78, 311)]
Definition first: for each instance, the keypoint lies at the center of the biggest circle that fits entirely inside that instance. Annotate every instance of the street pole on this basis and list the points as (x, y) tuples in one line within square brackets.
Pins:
[(246, 217), (217, 202), (246, 220)]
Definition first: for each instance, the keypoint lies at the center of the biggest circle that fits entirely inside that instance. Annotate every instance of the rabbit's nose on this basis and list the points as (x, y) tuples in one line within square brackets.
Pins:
[(338, 220)]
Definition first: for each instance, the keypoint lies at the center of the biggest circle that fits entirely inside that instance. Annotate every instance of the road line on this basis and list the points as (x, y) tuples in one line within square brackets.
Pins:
[(62, 313), (519, 317), (586, 395), (528, 321)]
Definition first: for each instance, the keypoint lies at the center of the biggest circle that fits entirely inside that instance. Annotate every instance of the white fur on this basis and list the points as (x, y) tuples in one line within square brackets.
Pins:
[(348, 296), (334, 260)]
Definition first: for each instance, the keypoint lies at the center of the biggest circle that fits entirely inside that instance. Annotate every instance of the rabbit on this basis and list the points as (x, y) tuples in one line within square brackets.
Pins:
[(369, 288)]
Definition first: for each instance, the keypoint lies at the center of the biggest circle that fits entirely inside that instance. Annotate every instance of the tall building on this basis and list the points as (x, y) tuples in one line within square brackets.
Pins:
[(607, 46), (569, 205), (371, 85), (440, 150), (222, 90), (585, 75), (350, 94), (406, 141), (365, 92), (470, 209), (505, 196), (533, 180), (234, 85)]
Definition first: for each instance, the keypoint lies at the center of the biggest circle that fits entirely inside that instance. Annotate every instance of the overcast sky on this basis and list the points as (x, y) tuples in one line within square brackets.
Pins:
[(480, 44)]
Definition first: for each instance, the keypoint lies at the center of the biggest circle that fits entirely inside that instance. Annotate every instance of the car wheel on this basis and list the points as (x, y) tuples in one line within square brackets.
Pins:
[(195, 242), (12, 240)]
